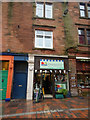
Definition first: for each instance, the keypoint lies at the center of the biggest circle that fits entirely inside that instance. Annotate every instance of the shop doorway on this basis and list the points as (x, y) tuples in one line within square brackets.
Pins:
[(47, 83), (45, 79)]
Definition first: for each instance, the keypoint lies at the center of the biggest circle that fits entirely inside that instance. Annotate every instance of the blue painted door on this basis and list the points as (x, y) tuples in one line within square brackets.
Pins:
[(20, 81)]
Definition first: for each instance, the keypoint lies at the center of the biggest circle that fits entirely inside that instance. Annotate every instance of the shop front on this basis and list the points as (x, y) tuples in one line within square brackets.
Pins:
[(51, 74), (83, 73)]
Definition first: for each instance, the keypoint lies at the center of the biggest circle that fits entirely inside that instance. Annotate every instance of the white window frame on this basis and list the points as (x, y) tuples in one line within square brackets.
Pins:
[(84, 7), (44, 10), (37, 46), (82, 10), (88, 10)]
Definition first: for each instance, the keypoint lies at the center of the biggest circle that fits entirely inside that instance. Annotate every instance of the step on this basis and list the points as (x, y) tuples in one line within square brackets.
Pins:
[(48, 96)]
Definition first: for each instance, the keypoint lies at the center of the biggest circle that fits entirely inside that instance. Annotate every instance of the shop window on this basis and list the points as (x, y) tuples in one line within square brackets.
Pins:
[(50, 81), (83, 80), (4, 65), (81, 36), (84, 10), (43, 39), (44, 10)]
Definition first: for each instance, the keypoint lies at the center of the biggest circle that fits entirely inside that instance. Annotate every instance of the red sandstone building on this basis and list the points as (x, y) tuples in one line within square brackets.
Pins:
[(49, 44)]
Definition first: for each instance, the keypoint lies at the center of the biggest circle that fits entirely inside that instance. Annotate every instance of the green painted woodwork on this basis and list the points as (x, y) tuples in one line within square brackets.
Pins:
[(3, 83)]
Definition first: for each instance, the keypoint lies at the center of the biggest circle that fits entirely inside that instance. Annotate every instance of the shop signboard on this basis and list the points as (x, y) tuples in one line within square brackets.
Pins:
[(51, 64), (61, 86)]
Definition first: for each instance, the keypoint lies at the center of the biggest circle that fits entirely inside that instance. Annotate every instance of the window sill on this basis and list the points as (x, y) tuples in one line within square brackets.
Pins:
[(35, 17), (43, 49), (83, 45), (84, 18)]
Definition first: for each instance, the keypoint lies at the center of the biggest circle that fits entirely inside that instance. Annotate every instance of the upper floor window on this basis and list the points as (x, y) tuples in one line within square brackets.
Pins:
[(84, 10), (81, 36), (43, 39), (88, 8), (84, 36), (88, 36), (44, 10)]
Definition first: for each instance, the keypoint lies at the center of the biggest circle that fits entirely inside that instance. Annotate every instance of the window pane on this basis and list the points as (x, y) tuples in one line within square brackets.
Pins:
[(48, 11), (89, 14), (39, 42), (82, 7), (82, 13), (81, 32), (39, 32), (88, 32), (48, 43), (48, 33), (82, 40), (39, 10), (39, 36), (49, 37), (88, 7), (88, 38)]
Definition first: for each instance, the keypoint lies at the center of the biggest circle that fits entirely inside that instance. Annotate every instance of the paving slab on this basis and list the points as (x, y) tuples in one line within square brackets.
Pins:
[(73, 107)]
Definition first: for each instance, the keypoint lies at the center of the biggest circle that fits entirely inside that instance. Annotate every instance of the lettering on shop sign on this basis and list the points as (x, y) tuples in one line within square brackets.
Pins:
[(51, 64)]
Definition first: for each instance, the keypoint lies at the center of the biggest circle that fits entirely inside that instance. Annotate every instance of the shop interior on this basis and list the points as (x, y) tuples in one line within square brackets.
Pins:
[(83, 80), (50, 80)]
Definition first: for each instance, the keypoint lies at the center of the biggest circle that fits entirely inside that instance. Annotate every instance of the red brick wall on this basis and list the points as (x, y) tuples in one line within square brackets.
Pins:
[(81, 23), (18, 33), (17, 29), (75, 13)]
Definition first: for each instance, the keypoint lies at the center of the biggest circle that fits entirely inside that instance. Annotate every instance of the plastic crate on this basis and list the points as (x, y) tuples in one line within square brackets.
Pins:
[(59, 96)]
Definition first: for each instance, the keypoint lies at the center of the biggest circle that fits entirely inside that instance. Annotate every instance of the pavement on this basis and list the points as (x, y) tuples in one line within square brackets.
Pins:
[(73, 107)]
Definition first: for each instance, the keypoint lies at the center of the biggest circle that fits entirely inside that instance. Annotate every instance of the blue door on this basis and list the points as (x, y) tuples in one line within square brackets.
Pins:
[(20, 81)]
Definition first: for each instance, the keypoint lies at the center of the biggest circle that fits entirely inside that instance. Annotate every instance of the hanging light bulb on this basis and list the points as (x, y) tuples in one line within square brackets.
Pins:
[(45, 71), (35, 71), (60, 71), (64, 71), (40, 71)]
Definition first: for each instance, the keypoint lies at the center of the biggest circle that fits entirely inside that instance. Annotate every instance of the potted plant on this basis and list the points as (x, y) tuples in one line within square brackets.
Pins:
[(65, 92)]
